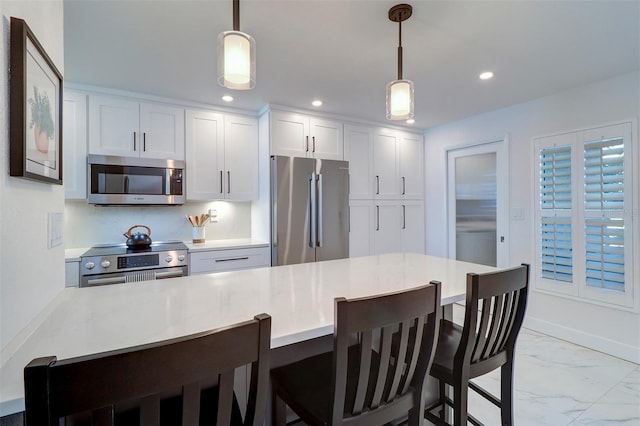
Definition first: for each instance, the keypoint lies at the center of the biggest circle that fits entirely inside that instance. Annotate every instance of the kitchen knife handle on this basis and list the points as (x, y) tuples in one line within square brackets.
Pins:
[(377, 185), (319, 214), (221, 190), (377, 218), (228, 182)]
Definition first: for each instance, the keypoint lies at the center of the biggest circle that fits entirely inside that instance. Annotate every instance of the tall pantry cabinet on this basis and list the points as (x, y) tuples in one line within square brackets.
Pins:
[(386, 169)]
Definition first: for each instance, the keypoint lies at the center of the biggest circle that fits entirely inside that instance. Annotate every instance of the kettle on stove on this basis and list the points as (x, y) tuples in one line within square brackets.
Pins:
[(138, 240)]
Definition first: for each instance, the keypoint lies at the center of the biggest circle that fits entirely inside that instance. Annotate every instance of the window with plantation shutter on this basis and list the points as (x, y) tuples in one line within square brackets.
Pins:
[(584, 220)]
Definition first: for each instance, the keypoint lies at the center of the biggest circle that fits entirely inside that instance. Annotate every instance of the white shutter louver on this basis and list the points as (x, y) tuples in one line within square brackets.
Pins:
[(555, 177), (556, 256), (604, 175), (605, 253)]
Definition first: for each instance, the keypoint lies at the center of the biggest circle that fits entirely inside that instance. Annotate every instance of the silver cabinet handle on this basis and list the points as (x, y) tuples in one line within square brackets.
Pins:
[(319, 205), (228, 182), (232, 259), (144, 141), (221, 181), (377, 218), (377, 185), (403, 186), (134, 141), (307, 144), (314, 143), (404, 217)]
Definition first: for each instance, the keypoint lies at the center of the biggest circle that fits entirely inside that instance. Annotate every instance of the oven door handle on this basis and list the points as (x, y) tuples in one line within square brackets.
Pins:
[(169, 274), (103, 281)]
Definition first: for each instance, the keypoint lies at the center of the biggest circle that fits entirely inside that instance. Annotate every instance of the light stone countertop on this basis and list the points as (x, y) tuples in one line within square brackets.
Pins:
[(82, 321)]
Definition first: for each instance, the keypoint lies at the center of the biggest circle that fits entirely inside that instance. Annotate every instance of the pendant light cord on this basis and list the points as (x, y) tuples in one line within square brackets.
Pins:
[(400, 50), (236, 15)]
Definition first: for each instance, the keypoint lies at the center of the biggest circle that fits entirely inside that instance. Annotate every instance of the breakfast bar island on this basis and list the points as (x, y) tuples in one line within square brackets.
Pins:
[(299, 298)]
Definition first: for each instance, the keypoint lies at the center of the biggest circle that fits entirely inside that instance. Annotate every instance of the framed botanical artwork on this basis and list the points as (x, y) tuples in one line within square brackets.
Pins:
[(35, 109)]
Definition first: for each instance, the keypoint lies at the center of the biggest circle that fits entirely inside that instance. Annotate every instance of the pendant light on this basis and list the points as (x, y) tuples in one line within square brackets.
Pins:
[(400, 91), (236, 56)]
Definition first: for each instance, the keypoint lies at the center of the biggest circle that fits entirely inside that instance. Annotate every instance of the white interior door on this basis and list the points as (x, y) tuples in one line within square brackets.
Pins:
[(477, 186)]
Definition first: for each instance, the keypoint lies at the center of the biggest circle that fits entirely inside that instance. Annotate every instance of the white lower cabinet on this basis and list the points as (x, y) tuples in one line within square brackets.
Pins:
[(386, 226), (208, 261)]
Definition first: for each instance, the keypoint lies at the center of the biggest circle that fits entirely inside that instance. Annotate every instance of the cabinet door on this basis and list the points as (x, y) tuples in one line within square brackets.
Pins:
[(113, 126), (74, 133), (412, 226), (241, 158), (386, 234), (385, 165), (289, 134), (361, 226), (358, 151), (327, 139), (204, 139), (411, 154), (162, 131)]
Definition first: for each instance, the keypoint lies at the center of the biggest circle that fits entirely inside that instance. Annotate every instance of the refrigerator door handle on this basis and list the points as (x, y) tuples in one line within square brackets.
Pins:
[(312, 210), (319, 196)]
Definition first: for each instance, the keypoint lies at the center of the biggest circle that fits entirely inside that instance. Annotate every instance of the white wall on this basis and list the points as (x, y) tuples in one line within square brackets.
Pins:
[(87, 225), (30, 273), (605, 102)]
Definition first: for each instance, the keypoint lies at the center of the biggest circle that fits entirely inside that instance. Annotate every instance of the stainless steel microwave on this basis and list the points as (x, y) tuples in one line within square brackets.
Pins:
[(115, 180)]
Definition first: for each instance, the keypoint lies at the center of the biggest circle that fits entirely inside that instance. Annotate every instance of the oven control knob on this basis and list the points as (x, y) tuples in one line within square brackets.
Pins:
[(105, 263), (181, 257), (168, 259), (89, 265)]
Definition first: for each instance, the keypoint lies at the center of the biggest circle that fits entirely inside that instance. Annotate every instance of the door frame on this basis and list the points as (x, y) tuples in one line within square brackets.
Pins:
[(501, 147)]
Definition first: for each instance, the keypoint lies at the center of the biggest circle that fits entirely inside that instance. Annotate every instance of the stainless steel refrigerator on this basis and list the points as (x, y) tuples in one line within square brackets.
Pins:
[(310, 210)]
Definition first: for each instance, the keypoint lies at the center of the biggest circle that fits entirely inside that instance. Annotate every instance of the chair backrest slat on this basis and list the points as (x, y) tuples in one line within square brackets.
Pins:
[(366, 339), (150, 410), (225, 397), (140, 376), (392, 361), (191, 403), (499, 300)]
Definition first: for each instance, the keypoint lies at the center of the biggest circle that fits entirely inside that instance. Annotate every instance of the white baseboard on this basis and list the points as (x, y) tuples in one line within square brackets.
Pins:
[(591, 341)]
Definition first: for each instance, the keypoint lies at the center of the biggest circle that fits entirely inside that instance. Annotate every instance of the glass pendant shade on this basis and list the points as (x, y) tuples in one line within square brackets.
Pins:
[(236, 60), (400, 100)]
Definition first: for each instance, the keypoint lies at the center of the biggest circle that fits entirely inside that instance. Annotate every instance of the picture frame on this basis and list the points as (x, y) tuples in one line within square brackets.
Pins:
[(35, 108)]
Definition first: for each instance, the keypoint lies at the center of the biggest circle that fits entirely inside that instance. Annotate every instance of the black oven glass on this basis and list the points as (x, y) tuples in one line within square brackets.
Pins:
[(125, 262)]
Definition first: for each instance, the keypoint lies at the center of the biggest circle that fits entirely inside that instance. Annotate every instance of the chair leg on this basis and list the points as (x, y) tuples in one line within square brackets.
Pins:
[(443, 399), (460, 402), (278, 409), (506, 393)]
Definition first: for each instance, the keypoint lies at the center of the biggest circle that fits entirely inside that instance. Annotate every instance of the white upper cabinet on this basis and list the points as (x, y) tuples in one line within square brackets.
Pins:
[(124, 127), (358, 151), (387, 183), (241, 158), (222, 156), (204, 142), (300, 135), (74, 134), (411, 155)]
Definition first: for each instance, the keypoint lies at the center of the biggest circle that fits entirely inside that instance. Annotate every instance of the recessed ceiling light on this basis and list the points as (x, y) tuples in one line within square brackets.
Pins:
[(227, 98), (316, 103), (487, 75), (411, 121)]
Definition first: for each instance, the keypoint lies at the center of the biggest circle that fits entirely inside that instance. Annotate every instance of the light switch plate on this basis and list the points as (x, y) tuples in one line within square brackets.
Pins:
[(55, 225)]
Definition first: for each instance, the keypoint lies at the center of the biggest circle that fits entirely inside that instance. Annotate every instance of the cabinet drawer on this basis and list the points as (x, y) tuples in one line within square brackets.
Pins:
[(204, 262)]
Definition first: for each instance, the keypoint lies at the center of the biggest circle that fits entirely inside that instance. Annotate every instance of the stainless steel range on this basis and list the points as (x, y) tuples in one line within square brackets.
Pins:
[(118, 264)]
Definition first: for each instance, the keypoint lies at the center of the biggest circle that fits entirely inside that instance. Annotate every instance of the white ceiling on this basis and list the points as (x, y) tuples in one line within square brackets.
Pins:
[(344, 51)]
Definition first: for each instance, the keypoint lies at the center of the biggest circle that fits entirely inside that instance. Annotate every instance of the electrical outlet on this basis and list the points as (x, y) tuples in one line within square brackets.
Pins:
[(213, 215)]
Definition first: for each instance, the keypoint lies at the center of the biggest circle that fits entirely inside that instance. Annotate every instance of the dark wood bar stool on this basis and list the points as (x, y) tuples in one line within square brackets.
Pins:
[(188, 380), (360, 381), (495, 307)]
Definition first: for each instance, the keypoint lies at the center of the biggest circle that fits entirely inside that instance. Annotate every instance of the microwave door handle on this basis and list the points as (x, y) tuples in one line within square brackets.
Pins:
[(167, 182)]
